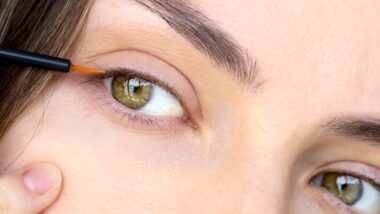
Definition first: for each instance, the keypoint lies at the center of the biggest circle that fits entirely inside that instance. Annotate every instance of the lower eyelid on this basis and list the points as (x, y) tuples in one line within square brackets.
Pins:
[(329, 203), (120, 114)]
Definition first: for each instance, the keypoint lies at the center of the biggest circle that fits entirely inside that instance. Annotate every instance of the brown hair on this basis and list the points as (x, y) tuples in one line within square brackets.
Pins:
[(47, 27)]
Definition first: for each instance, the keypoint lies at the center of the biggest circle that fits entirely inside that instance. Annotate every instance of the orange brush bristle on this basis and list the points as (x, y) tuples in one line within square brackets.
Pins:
[(86, 70)]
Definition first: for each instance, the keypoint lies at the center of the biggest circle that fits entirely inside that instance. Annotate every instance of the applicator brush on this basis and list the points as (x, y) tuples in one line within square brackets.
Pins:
[(44, 61)]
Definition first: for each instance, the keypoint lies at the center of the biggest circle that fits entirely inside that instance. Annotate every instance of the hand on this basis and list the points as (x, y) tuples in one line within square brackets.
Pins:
[(30, 190)]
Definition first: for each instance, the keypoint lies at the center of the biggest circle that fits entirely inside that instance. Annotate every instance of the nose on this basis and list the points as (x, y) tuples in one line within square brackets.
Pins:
[(263, 184), (253, 180)]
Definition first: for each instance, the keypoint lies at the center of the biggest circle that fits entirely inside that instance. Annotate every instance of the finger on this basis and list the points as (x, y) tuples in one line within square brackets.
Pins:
[(30, 190)]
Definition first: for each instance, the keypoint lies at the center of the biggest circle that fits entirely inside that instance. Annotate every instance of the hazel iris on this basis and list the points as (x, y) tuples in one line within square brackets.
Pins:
[(345, 187), (132, 92)]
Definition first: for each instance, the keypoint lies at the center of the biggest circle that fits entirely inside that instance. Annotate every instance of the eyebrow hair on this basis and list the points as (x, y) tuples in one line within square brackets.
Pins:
[(204, 34), (367, 129)]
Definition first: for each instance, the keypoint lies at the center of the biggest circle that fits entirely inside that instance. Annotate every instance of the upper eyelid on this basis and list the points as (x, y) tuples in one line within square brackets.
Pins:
[(362, 171), (132, 73), (371, 180), (154, 69)]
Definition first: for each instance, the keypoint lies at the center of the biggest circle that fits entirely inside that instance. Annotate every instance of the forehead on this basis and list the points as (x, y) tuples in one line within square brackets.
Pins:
[(325, 51)]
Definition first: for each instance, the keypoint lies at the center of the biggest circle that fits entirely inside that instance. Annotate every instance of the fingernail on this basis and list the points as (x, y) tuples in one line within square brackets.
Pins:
[(42, 179)]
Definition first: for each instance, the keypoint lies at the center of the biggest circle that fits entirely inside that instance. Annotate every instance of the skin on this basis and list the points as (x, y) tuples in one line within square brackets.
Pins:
[(253, 150)]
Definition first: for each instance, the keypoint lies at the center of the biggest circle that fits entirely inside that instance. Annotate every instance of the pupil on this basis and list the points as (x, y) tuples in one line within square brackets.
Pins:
[(135, 89), (343, 186)]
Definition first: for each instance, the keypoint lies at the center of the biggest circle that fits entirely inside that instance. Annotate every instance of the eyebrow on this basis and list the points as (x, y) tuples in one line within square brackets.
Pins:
[(367, 129), (204, 34)]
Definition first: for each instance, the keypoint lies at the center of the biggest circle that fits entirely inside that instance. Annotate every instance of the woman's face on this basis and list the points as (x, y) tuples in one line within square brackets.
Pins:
[(232, 107)]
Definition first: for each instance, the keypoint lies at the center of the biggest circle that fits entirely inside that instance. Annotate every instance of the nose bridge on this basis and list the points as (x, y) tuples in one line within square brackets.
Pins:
[(261, 175)]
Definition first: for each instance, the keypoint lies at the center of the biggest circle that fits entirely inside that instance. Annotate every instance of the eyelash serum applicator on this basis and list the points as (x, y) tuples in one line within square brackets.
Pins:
[(44, 61)]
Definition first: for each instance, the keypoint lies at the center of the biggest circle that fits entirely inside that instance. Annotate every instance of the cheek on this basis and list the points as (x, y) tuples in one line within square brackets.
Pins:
[(100, 160)]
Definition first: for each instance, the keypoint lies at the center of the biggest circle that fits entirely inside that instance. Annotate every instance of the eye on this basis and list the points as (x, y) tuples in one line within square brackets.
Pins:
[(144, 96), (352, 191)]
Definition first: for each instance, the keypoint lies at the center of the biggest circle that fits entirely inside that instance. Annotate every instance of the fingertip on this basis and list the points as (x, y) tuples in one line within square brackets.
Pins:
[(42, 178)]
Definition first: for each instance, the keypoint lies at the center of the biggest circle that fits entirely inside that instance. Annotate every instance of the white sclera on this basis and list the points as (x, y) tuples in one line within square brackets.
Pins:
[(162, 103), (369, 202)]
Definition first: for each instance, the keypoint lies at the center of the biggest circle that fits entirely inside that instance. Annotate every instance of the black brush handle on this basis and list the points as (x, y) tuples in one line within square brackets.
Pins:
[(35, 59)]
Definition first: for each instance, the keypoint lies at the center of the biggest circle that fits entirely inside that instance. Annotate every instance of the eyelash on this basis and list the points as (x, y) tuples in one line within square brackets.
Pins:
[(132, 116), (366, 178)]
